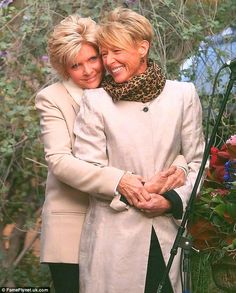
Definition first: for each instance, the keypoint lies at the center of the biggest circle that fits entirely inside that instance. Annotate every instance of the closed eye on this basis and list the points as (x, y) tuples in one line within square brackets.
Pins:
[(75, 66), (117, 50)]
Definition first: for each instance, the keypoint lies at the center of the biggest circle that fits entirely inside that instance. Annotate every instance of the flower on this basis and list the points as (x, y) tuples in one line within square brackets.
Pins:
[(217, 162), (231, 145), (212, 223), (130, 1), (5, 3), (3, 54), (44, 58)]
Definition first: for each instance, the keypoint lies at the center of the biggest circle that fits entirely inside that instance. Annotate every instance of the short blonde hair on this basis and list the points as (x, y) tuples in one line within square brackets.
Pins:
[(66, 40), (123, 27)]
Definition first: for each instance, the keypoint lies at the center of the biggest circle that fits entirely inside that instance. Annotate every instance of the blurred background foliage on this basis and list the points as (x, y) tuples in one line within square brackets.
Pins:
[(180, 26)]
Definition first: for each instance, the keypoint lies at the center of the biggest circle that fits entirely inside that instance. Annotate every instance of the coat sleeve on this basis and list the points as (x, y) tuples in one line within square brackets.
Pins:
[(64, 165), (192, 141), (180, 161)]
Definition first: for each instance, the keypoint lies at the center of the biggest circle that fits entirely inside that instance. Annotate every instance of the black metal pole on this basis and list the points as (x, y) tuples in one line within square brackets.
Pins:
[(181, 229)]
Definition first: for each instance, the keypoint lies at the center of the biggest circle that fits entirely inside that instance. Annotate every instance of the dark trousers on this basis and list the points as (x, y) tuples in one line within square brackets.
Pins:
[(65, 277), (156, 268)]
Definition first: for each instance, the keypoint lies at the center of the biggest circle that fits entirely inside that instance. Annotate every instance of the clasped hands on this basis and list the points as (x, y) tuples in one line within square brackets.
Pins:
[(147, 195)]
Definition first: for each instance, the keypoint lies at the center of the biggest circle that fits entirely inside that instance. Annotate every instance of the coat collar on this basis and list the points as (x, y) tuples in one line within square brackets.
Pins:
[(73, 89)]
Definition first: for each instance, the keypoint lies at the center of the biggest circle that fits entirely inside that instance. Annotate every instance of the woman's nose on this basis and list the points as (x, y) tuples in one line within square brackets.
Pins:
[(87, 69)]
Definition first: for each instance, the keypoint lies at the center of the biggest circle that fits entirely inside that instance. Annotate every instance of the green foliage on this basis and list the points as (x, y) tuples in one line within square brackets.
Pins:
[(179, 27), (24, 69), (201, 275), (30, 273)]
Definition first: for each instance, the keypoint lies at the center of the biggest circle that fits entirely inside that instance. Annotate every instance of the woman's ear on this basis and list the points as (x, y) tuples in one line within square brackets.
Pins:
[(143, 48)]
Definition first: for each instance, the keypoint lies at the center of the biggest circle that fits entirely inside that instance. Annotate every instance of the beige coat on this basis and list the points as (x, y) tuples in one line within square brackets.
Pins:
[(65, 207), (115, 245)]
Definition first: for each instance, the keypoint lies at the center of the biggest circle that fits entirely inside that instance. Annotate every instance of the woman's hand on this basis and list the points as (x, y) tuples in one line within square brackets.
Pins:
[(165, 180), (132, 188), (156, 206)]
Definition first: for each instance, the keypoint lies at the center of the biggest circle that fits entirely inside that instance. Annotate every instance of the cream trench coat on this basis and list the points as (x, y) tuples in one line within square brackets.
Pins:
[(115, 245), (65, 207)]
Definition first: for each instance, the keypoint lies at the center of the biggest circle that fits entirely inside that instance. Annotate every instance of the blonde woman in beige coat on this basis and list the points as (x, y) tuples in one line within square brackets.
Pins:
[(74, 55), (138, 121)]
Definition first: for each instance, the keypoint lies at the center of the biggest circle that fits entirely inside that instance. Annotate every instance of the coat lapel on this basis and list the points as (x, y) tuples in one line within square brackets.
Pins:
[(74, 93)]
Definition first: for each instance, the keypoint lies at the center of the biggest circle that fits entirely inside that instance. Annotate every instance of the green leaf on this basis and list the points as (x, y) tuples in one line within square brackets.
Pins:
[(220, 209), (231, 210)]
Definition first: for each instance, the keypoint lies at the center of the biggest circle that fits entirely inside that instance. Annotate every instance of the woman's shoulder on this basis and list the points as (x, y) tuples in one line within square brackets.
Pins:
[(179, 92), (97, 100), (55, 94), (96, 96), (179, 85), (51, 89), (98, 92)]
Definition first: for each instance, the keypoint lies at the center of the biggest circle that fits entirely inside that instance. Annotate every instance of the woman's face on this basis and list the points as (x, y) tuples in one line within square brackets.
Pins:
[(123, 64), (88, 70)]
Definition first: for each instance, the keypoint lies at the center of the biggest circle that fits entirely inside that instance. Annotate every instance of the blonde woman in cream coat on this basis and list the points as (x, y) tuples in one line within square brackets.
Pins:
[(137, 121), (74, 55)]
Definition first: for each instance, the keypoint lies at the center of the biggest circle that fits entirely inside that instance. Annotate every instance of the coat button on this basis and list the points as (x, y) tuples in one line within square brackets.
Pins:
[(145, 109)]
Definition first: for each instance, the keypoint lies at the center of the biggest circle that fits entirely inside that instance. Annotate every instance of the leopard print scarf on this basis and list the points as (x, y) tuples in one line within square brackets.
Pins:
[(141, 88)]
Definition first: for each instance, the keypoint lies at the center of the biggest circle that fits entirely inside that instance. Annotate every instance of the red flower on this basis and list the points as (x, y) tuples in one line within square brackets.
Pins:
[(213, 159), (218, 159), (221, 192), (213, 219)]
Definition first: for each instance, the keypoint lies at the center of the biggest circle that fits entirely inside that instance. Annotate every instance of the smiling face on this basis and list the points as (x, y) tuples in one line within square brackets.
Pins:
[(125, 63), (88, 70)]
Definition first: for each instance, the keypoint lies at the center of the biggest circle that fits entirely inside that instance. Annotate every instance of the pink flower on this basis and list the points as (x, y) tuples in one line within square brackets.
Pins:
[(231, 146), (232, 140), (221, 192)]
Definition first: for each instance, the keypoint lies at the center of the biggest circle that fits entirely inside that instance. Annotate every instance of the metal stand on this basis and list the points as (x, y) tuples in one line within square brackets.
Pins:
[(179, 236), (186, 245)]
